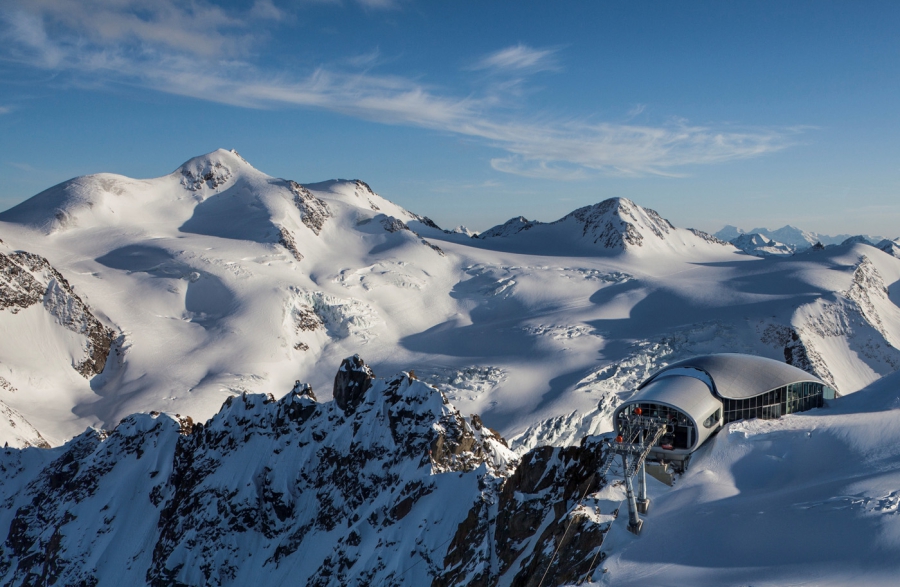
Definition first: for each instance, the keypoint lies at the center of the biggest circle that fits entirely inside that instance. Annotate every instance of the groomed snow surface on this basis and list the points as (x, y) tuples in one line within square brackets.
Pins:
[(218, 279)]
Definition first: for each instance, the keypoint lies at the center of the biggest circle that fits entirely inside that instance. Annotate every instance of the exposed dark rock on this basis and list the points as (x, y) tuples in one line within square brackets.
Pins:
[(542, 494), (197, 173), (306, 319), (286, 239), (708, 237), (304, 390), (18, 288), (797, 352), (296, 488), (27, 279), (611, 223), (314, 211), (392, 224), (434, 247), (352, 381)]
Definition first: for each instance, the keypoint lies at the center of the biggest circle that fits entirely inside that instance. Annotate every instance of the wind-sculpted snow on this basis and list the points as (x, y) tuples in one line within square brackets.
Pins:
[(823, 482), (399, 490), (862, 319), (397, 274), (73, 204), (615, 382)]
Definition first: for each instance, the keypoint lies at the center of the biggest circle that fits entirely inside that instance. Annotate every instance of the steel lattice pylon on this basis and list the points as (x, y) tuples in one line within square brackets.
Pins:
[(638, 435)]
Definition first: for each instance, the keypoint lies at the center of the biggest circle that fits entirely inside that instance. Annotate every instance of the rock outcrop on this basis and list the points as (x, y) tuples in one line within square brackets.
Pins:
[(27, 279), (352, 381), (402, 490)]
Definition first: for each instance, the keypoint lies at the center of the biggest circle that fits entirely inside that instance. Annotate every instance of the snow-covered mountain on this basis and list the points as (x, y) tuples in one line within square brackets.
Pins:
[(611, 226), (389, 484), (760, 246), (385, 484), (794, 237), (211, 291), (218, 279), (891, 247)]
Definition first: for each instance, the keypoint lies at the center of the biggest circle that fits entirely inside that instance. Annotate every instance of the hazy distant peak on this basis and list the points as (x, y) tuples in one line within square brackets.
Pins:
[(729, 232), (509, 228), (759, 245), (891, 247)]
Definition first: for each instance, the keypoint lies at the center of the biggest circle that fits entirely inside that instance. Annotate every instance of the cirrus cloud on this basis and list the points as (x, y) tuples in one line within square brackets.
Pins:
[(518, 58), (200, 50)]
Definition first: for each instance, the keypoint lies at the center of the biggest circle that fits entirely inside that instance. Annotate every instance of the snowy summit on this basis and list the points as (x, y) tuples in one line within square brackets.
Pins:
[(185, 321)]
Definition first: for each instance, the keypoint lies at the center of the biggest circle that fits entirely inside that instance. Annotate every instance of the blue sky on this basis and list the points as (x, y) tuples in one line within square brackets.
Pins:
[(749, 113)]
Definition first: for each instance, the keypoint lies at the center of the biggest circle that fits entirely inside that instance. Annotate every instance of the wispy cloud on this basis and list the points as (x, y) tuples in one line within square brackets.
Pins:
[(5, 109), (519, 58), (365, 59), (266, 10), (635, 110), (380, 4), (197, 49), (22, 166)]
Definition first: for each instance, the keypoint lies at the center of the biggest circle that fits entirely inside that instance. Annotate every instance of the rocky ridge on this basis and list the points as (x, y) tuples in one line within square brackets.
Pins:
[(27, 279), (615, 224), (387, 484)]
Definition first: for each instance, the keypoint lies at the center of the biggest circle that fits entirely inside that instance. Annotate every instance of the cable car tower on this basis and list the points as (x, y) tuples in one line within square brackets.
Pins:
[(638, 434)]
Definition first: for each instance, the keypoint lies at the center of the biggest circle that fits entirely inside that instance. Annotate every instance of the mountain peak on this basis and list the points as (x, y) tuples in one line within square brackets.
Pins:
[(759, 245), (619, 223), (612, 226), (211, 170)]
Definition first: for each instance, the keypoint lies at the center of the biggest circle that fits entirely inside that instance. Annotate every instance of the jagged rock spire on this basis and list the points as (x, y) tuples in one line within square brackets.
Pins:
[(352, 381), (304, 390)]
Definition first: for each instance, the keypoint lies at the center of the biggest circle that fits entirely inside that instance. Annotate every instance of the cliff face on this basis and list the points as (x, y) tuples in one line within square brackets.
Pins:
[(538, 525), (27, 280), (391, 486)]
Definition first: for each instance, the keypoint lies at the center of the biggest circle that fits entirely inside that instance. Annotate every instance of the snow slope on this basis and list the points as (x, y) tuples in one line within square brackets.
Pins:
[(218, 279), (200, 293), (809, 499), (389, 484)]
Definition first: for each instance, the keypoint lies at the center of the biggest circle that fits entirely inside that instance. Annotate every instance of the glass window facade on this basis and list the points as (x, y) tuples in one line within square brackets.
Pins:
[(680, 432), (796, 397)]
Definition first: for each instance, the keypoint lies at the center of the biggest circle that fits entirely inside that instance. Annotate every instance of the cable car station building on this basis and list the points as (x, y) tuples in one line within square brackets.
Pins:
[(698, 396)]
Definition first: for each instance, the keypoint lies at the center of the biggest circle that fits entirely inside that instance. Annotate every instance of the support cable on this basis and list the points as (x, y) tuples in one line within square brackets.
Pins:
[(571, 519)]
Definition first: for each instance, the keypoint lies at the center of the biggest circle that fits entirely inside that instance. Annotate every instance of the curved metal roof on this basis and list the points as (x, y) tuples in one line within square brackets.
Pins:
[(688, 394), (738, 376)]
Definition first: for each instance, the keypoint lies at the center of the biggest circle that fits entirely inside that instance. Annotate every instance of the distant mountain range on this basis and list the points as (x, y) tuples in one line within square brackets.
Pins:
[(184, 321), (786, 240)]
